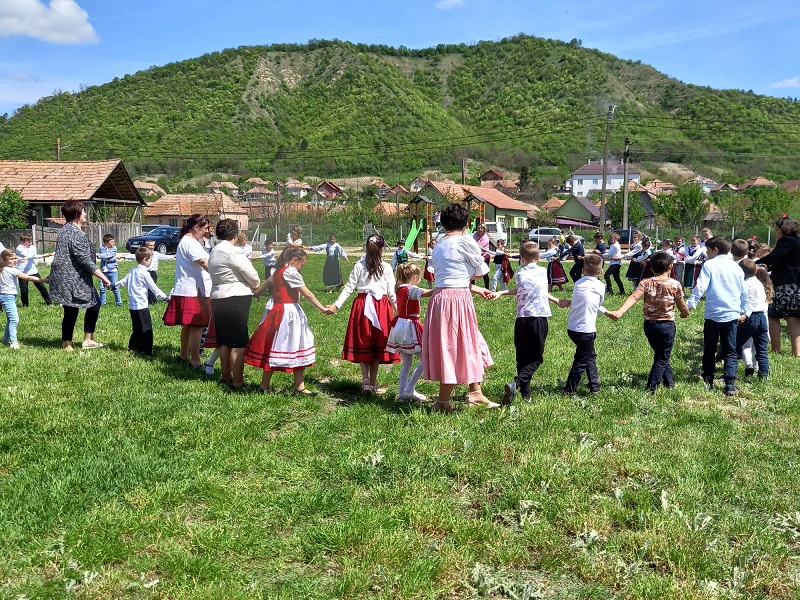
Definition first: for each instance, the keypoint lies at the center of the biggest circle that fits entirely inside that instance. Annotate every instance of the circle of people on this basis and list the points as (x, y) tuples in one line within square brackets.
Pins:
[(214, 289)]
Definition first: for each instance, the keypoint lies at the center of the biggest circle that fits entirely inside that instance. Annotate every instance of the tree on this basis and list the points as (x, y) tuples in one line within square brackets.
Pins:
[(614, 209), (733, 209), (13, 210), (524, 178), (683, 207)]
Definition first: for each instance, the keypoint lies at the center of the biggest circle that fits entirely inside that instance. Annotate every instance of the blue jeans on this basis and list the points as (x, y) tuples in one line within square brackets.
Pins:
[(724, 333), (661, 337), (113, 277), (755, 326), (9, 302)]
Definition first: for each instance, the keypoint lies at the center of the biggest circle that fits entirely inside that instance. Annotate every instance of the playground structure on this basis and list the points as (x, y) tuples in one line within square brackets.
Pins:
[(421, 209)]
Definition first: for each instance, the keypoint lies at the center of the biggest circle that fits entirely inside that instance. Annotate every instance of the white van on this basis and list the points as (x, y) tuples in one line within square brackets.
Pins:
[(496, 231)]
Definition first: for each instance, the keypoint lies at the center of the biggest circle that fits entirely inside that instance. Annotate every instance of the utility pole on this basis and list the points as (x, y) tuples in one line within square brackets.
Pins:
[(611, 110), (58, 148), (625, 157), (463, 171)]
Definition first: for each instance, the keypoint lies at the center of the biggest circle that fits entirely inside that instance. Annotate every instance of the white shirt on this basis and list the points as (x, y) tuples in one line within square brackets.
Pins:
[(614, 254), (190, 277), (360, 281), (456, 260), (291, 242), (268, 257), (756, 296), (27, 256), (155, 258), (549, 253), (587, 298), (532, 291), (232, 274), (292, 278), (635, 249), (138, 281), (330, 249), (8, 280)]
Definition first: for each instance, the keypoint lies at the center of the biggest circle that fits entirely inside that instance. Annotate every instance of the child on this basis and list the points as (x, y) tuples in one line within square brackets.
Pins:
[(152, 270), (587, 298), (405, 336), (108, 265), (614, 256), (577, 252), (661, 295), (401, 255), (428, 273), (502, 267), (639, 266), (531, 326), (722, 282), (283, 340), (27, 256), (268, 258), (240, 241), (739, 250), (678, 254), (759, 295), (332, 271), (695, 254), (453, 349), (140, 285), (371, 313), (9, 275), (555, 272)]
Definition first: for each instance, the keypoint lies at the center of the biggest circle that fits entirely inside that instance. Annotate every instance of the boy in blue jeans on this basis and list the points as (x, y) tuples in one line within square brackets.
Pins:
[(109, 267), (722, 282)]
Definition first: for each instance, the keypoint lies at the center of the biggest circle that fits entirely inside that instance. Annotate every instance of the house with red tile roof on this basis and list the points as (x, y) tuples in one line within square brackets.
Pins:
[(145, 188), (225, 187), (553, 204), (499, 206), (328, 190), (724, 187), (791, 185), (260, 192), (493, 175), (172, 209), (297, 188), (757, 182)]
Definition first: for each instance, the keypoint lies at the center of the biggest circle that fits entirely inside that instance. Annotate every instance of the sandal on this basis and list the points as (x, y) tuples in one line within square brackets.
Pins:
[(478, 399), (367, 389), (304, 392), (266, 390)]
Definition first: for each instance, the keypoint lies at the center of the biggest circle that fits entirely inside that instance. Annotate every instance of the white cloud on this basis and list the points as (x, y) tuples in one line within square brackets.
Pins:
[(449, 4), (60, 22), (792, 82), (22, 76)]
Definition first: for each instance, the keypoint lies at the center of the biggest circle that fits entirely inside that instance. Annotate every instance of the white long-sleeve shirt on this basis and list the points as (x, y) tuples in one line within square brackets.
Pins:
[(756, 296), (138, 281), (361, 282), (614, 254)]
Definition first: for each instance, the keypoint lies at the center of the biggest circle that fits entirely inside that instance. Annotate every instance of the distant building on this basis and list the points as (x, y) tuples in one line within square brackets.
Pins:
[(172, 209), (260, 193), (792, 185), (300, 189), (757, 182), (222, 187), (707, 184), (146, 189), (492, 175), (328, 190), (590, 177), (724, 187)]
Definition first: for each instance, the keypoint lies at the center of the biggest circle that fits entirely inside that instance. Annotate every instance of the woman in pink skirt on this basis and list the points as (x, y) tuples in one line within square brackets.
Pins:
[(453, 349)]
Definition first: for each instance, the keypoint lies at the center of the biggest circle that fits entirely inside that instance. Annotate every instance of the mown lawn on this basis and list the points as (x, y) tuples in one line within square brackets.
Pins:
[(121, 477)]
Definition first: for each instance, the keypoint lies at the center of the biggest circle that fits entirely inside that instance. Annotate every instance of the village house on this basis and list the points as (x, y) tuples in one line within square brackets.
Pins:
[(757, 182), (147, 189), (299, 189), (724, 187), (491, 176), (172, 209), (328, 190), (224, 187), (577, 211), (791, 185), (553, 204), (658, 187), (590, 177), (707, 184), (416, 186), (257, 181), (498, 206)]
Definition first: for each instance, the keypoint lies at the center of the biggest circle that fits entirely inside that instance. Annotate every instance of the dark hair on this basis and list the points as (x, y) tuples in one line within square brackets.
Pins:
[(72, 209), (226, 229), (529, 251), (719, 243), (454, 216), (374, 246), (25, 237), (739, 248), (268, 243), (142, 253), (288, 254), (107, 238), (598, 235), (571, 239), (190, 222), (660, 262), (787, 225)]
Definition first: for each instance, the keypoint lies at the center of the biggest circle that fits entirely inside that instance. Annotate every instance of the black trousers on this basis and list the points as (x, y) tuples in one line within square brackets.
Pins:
[(71, 317), (576, 272), (613, 271), (661, 337), (151, 297), (23, 292), (142, 331), (585, 361), (530, 334), (724, 333)]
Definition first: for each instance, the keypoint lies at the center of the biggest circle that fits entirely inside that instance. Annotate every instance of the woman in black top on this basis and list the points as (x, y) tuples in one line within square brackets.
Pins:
[(784, 265)]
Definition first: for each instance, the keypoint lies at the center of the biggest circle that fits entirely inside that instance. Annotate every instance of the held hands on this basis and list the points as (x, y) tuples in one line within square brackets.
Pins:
[(742, 318), (564, 303), (486, 294), (613, 315), (685, 313), (330, 309)]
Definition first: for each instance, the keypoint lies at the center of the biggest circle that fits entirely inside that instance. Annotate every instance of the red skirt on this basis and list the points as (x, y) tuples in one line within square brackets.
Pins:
[(211, 335), (428, 275), (365, 343), (556, 273), (185, 310)]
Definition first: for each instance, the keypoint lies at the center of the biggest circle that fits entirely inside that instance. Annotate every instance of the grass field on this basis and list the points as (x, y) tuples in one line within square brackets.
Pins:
[(121, 477)]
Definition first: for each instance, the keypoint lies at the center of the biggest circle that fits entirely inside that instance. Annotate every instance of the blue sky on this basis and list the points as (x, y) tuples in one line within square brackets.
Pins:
[(49, 45)]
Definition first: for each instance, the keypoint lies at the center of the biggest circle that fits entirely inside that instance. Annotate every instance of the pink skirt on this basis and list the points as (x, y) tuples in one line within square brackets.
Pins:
[(453, 349)]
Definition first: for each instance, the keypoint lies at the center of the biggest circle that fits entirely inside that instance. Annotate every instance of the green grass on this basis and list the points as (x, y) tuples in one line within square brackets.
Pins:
[(121, 477)]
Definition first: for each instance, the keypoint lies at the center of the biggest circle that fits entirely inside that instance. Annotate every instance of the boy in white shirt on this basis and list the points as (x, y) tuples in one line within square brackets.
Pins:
[(27, 255), (139, 283), (614, 256), (587, 299), (531, 326)]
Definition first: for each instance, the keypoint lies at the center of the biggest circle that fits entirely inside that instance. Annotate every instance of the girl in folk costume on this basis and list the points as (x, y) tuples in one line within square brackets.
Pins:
[(283, 340), (555, 272), (332, 271), (405, 336), (694, 255), (502, 267), (370, 315), (643, 260), (428, 273), (634, 271)]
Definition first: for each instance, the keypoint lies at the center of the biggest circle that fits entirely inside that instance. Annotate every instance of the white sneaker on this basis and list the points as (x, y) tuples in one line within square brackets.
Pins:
[(415, 395), (91, 344), (209, 368), (14, 346)]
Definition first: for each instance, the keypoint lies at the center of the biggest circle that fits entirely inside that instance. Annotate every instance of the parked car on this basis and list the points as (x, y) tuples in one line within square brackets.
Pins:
[(625, 236), (496, 231), (542, 235), (165, 237)]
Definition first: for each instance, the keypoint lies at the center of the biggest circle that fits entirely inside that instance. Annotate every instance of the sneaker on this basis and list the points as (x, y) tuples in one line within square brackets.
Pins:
[(730, 389), (415, 395), (91, 345), (14, 346), (510, 392), (209, 368), (749, 371)]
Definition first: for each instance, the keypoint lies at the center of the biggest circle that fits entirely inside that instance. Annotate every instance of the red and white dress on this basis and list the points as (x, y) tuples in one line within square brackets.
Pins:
[(283, 340), (406, 334)]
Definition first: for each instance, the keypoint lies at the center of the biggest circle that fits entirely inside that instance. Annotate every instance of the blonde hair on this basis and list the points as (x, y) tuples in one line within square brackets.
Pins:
[(405, 273), (592, 265), (4, 256), (529, 251)]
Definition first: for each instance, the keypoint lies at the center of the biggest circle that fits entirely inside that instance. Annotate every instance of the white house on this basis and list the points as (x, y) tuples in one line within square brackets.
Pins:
[(590, 177)]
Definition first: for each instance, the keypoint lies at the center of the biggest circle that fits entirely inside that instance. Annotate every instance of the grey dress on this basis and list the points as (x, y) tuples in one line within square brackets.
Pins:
[(72, 269)]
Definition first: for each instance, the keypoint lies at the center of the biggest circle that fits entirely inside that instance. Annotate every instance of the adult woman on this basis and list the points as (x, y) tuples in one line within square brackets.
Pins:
[(784, 265), (233, 280), (482, 239), (71, 277), (293, 238), (189, 305)]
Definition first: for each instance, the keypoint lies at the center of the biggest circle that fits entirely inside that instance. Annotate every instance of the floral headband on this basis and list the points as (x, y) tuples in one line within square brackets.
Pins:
[(378, 241)]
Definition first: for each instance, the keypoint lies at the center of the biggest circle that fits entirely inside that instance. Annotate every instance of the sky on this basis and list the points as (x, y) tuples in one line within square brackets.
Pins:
[(47, 46)]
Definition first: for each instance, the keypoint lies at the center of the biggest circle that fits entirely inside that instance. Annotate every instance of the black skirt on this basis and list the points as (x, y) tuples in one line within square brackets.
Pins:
[(230, 317)]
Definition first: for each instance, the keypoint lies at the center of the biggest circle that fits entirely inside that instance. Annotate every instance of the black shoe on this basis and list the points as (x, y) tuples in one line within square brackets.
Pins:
[(719, 357), (510, 392), (730, 389), (749, 372), (568, 391), (709, 383)]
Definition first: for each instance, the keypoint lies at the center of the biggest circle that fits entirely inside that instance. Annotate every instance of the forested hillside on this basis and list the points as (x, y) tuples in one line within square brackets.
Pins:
[(333, 108)]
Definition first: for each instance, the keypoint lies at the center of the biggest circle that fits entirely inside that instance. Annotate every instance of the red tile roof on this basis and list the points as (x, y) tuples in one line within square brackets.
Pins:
[(757, 182), (389, 208), (59, 181), (497, 198), (553, 203), (792, 185), (183, 205)]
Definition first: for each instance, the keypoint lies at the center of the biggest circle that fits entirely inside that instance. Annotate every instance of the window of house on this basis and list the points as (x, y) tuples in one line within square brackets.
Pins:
[(173, 222), (580, 181), (594, 181)]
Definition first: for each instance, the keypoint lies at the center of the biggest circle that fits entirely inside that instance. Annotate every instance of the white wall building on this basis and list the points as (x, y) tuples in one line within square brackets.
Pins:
[(590, 177)]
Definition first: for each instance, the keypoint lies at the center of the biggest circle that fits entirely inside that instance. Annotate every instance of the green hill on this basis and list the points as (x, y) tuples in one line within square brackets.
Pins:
[(333, 108)]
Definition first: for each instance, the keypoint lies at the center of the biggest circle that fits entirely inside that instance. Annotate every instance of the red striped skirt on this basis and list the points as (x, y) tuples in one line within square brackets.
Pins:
[(363, 342)]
